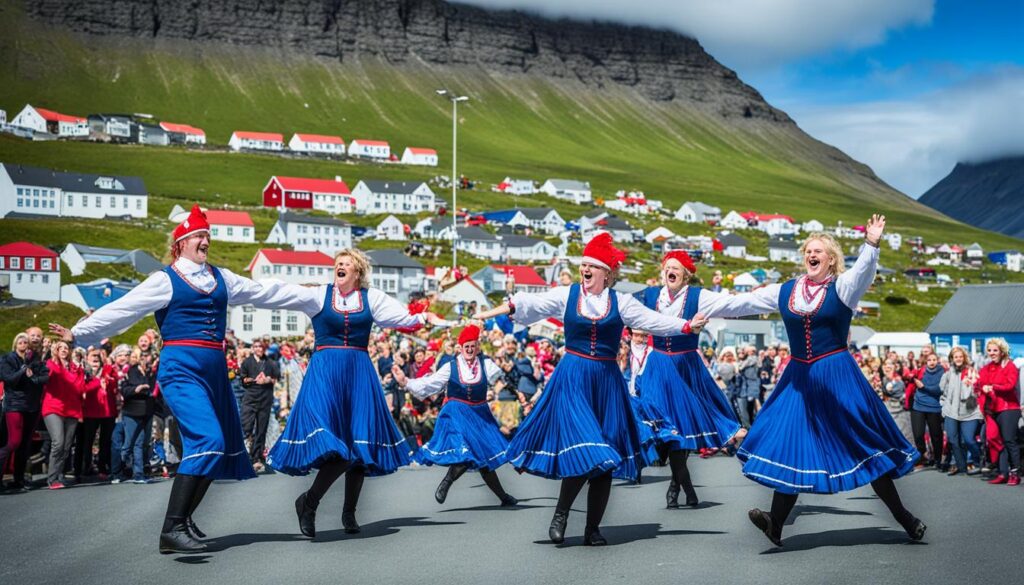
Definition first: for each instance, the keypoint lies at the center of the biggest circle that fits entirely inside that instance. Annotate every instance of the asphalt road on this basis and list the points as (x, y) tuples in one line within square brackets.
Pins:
[(108, 534)]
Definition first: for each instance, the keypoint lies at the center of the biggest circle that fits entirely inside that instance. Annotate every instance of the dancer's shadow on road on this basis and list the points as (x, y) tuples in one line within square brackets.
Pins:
[(805, 510), (499, 508), (222, 543), (380, 528), (616, 535), (848, 537)]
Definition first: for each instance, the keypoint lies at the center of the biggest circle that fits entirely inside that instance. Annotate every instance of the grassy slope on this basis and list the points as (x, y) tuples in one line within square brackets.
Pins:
[(521, 127)]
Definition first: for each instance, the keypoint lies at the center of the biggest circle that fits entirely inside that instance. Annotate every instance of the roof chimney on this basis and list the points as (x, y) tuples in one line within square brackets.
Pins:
[(337, 178)]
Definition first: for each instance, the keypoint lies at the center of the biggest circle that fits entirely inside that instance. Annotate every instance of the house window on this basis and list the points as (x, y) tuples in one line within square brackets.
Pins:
[(71, 200), (47, 264), (245, 232), (275, 320), (289, 271), (113, 202), (20, 191), (277, 270), (231, 231), (3, 262), (265, 269), (46, 279), (32, 278), (293, 322), (214, 231), (35, 203), (85, 201), (15, 263), (124, 202), (30, 263), (20, 202), (18, 279), (247, 322), (99, 201), (138, 204), (302, 270)]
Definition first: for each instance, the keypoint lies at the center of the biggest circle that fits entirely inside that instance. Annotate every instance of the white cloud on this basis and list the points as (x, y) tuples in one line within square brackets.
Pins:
[(749, 33), (913, 144)]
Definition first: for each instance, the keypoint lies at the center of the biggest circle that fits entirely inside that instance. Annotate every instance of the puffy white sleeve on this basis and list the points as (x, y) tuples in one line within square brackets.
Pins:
[(389, 313), (636, 315), (759, 302), (852, 284), (272, 294), (492, 371), (533, 307), (151, 295), (430, 384)]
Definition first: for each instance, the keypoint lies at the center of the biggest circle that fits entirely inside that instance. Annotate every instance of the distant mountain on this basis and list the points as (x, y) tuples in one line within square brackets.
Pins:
[(986, 195)]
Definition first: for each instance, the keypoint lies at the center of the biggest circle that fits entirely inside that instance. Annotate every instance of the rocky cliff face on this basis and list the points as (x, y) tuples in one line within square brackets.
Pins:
[(987, 195), (660, 65)]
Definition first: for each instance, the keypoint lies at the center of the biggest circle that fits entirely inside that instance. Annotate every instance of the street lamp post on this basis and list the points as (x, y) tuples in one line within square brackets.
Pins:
[(455, 99)]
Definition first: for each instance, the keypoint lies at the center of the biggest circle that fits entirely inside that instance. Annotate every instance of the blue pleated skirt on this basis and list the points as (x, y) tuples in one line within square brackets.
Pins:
[(693, 412), (583, 425), (465, 434), (649, 425), (340, 413), (824, 430), (194, 383)]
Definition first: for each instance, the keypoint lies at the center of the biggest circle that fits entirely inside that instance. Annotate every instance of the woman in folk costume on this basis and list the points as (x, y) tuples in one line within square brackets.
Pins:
[(190, 299), (582, 428), (692, 411), (633, 365), (340, 423), (466, 435), (823, 430)]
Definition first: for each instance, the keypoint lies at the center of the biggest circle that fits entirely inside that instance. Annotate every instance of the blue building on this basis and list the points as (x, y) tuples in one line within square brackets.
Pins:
[(977, 313)]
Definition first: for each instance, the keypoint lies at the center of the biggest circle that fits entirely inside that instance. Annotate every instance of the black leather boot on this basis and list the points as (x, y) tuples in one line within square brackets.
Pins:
[(193, 529), (915, 529), (307, 516), (178, 540), (348, 522), (454, 473), (508, 501), (672, 495), (592, 537), (557, 530), (764, 521)]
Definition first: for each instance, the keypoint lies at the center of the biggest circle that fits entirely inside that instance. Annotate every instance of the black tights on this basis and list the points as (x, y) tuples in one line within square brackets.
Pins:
[(328, 474), (885, 489), (489, 476), (597, 496), (680, 472)]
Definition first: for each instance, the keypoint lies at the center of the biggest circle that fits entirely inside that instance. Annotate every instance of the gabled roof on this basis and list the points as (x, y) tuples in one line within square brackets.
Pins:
[(268, 136), (503, 216), (537, 213), (225, 217), (291, 217), (982, 308), (975, 247), (97, 251), (392, 259), (425, 151), (517, 241), (26, 249), (612, 222), (396, 187), (74, 182), (143, 262), (522, 274), (182, 129), (320, 138), (51, 116), (313, 185), (702, 207), (765, 216), (476, 234), (783, 245), (103, 291), (365, 142), (276, 256), (731, 239), (569, 185)]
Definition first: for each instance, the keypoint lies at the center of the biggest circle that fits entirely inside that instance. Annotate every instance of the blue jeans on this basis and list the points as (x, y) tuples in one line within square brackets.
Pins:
[(962, 434), (136, 431), (116, 444)]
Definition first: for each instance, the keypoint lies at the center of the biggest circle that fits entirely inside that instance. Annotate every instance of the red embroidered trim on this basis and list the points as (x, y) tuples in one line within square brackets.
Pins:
[(334, 301), (590, 357), (684, 292), (579, 305), (196, 343), (662, 351), (818, 357), (476, 372), (813, 312), (355, 347), (469, 402)]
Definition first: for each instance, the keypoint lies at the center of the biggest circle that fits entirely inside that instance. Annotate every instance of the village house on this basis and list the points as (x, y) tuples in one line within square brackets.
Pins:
[(292, 266), (734, 221), (977, 313), (391, 228), (733, 245), (773, 224), (419, 156), (113, 127), (498, 278), (50, 122), (600, 221), (231, 226), (526, 249), (303, 193), (401, 197), (783, 251), (30, 272), (462, 292), (475, 241), (184, 134), (89, 296), (511, 186), (152, 135), (697, 212), (36, 191), (539, 219), (270, 141), (577, 192), (633, 202), (658, 235), (744, 283), (378, 150), (396, 274), (317, 144), (974, 254), (77, 256), (429, 228), (894, 240), (812, 226), (311, 233)]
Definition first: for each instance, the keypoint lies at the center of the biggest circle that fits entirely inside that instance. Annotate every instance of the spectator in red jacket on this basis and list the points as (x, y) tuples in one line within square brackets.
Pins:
[(99, 413), (24, 374), (997, 392), (62, 407)]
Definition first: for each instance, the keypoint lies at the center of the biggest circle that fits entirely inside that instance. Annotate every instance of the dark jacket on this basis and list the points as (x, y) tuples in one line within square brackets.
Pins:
[(251, 368), (138, 404), (527, 381), (23, 393)]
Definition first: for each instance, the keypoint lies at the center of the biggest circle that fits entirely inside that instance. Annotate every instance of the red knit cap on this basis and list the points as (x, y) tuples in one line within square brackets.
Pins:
[(683, 259), (194, 223), (469, 333), (600, 252)]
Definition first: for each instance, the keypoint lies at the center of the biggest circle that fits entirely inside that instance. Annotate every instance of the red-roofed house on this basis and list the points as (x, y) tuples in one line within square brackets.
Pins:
[(495, 278), (30, 272), (41, 120), (302, 193), (241, 140), (419, 156), (231, 226), (183, 133), (291, 266), (317, 144), (372, 149), (773, 224)]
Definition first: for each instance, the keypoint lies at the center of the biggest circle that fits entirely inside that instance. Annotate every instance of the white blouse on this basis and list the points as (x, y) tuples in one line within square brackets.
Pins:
[(638, 354), (387, 312), (434, 383), (533, 307)]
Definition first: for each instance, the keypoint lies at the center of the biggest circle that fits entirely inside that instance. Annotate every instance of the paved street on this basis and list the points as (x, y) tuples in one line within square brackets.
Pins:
[(108, 534)]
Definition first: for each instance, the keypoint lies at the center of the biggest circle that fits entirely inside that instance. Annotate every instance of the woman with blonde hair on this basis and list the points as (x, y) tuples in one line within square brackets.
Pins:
[(997, 391), (961, 412), (24, 375), (340, 423)]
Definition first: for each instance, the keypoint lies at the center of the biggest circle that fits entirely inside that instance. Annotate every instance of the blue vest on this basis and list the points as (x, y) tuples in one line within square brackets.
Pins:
[(593, 338), (192, 314), (825, 330), (681, 342), (460, 390), (336, 328)]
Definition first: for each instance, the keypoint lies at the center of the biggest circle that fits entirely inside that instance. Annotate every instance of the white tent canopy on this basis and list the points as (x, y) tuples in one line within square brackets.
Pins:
[(900, 342)]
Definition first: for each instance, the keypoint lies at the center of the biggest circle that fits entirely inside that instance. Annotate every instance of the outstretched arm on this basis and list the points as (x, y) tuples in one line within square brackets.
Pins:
[(852, 284), (273, 294), (761, 301), (426, 386), (389, 313), (636, 315), (529, 308), (114, 318)]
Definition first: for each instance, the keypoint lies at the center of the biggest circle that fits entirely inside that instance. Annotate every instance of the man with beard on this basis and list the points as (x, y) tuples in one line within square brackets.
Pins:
[(258, 377)]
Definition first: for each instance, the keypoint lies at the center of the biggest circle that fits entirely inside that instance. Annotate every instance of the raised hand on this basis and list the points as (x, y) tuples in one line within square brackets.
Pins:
[(698, 322), (874, 229), (61, 331), (399, 376)]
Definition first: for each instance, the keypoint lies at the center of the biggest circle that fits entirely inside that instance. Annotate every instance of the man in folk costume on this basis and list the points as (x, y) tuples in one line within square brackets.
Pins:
[(189, 299)]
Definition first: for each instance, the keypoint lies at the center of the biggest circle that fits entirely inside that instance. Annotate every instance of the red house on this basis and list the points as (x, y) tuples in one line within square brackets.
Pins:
[(300, 193)]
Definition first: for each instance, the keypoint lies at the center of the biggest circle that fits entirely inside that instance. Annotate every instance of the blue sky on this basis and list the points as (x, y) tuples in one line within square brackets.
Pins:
[(909, 87)]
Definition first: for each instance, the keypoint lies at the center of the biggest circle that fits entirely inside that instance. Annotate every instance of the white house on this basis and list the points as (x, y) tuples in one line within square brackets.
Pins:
[(659, 234), (812, 226), (396, 274), (783, 251), (894, 240), (1014, 261), (292, 266), (3, 117), (30, 272), (41, 120), (525, 249), (248, 322), (974, 254), (242, 140), (773, 224), (401, 197), (512, 186), (391, 228), (464, 290), (308, 233), (600, 221), (89, 296), (429, 228), (745, 283), (475, 241), (317, 144), (184, 134), (633, 202), (697, 212), (569, 190), (371, 149), (734, 221), (77, 256), (733, 245), (419, 156), (38, 191), (114, 127), (540, 219), (231, 226), (498, 277)]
